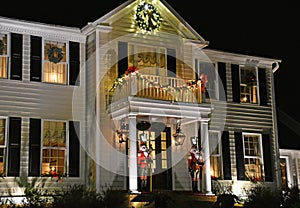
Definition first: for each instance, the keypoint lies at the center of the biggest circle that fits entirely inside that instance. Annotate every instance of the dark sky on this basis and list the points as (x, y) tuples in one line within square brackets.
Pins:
[(263, 28)]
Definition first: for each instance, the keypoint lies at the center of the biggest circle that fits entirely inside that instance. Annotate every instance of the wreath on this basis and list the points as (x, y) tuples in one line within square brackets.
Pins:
[(1, 47), (55, 54)]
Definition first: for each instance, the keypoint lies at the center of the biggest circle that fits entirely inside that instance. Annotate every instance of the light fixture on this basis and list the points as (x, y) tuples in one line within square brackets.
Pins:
[(178, 136), (122, 134)]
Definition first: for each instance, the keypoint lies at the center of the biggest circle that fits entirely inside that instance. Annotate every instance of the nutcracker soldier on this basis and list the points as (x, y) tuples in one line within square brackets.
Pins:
[(195, 163), (144, 161)]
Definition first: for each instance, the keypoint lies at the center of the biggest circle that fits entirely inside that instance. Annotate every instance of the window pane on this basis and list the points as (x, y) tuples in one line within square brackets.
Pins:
[(2, 131), (248, 85)]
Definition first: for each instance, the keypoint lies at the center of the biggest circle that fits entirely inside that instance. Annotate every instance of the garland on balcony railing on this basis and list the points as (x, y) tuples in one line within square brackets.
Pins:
[(191, 85)]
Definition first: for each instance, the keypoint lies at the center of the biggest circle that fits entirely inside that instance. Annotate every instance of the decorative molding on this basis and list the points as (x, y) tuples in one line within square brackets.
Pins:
[(54, 32)]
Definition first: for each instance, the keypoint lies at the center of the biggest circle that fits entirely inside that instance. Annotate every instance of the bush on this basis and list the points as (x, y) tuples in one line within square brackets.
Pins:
[(291, 198), (262, 197)]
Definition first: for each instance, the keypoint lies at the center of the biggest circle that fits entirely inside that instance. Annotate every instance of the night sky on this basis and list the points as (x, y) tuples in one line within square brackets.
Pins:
[(261, 28)]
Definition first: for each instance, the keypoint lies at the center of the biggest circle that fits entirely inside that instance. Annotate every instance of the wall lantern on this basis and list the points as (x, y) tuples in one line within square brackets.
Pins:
[(122, 133), (178, 136)]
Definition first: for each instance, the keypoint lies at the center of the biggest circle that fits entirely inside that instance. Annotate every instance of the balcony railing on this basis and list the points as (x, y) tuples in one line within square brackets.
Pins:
[(155, 87)]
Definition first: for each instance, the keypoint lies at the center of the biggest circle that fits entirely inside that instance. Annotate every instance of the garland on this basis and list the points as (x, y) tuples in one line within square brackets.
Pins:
[(55, 54), (1, 47)]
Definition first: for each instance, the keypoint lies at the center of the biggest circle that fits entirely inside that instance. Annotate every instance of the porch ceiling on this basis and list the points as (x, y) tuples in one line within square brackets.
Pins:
[(137, 106)]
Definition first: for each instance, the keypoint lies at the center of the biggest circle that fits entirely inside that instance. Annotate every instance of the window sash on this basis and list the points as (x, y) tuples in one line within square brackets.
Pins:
[(3, 136), (248, 92)]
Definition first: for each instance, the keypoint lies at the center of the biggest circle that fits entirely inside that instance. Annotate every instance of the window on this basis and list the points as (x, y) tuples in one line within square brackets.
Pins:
[(148, 60), (2, 144), (253, 157), (55, 64), (215, 155), (248, 85), (3, 56), (207, 73), (54, 149)]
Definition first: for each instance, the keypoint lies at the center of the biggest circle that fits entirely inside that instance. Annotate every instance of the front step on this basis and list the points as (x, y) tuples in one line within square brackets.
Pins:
[(160, 199)]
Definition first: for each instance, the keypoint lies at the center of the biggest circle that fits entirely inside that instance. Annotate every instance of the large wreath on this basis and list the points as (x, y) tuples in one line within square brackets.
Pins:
[(1, 47), (55, 54), (147, 17)]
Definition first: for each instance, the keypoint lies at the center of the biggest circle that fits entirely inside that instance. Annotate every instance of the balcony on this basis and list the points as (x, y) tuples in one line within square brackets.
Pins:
[(155, 87)]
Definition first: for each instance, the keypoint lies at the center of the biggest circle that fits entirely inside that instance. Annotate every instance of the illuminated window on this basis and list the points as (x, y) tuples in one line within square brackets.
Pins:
[(54, 147), (215, 154), (148, 60), (55, 64), (248, 85), (2, 144), (3, 56), (253, 157)]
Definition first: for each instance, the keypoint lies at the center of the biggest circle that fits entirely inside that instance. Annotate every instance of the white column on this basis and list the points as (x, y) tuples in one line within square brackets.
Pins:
[(205, 142), (133, 182)]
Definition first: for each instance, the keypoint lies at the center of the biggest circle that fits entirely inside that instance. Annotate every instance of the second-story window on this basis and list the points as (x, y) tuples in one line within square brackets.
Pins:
[(55, 64), (3, 56), (248, 85)]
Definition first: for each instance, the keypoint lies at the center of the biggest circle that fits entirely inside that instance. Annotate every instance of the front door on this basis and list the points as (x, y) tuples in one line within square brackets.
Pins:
[(159, 139)]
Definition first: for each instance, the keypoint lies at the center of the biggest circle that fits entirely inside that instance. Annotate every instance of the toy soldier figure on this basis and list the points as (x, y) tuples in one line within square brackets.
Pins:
[(144, 160), (195, 164)]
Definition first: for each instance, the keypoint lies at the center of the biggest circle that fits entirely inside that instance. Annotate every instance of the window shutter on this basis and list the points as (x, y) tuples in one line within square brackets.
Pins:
[(122, 58), (222, 78), (74, 150), (74, 50), (34, 147), (197, 75), (235, 78), (267, 157), (14, 144), (262, 86), (239, 147), (171, 62), (35, 58), (16, 56), (226, 155)]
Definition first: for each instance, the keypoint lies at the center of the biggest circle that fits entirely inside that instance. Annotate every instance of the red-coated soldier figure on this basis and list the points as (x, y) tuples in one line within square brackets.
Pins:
[(144, 160), (195, 164)]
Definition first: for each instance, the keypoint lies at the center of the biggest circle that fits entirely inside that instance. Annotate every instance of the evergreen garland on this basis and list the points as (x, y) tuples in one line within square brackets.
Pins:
[(55, 54)]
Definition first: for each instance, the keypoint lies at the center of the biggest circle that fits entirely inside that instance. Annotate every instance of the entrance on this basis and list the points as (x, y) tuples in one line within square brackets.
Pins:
[(159, 139)]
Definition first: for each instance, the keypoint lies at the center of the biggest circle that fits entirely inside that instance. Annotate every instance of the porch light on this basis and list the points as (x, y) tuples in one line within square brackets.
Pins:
[(122, 133), (178, 136)]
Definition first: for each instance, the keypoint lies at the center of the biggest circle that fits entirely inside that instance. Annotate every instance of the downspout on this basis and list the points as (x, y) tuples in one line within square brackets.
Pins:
[(277, 159)]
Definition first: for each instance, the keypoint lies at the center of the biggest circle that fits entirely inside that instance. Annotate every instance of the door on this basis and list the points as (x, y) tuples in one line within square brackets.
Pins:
[(159, 139)]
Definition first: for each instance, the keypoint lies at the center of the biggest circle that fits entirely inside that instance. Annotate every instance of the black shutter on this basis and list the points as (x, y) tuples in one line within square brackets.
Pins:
[(171, 62), (35, 58), (226, 155), (74, 150), (197, 75), (267, 157), (263, 95), (74, 48), (239, 151), (122, 58), (235, 77), (16, 56), (222, 79), (14, 144), (34, 147)]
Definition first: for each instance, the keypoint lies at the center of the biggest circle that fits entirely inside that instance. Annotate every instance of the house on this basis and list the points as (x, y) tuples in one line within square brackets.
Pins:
[(78, 103)]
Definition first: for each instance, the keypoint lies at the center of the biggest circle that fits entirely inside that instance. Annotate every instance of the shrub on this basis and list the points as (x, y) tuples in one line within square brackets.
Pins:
[(260, 196)]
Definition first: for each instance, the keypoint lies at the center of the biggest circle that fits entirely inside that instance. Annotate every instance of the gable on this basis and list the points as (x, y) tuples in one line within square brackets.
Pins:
[(123, 18)]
